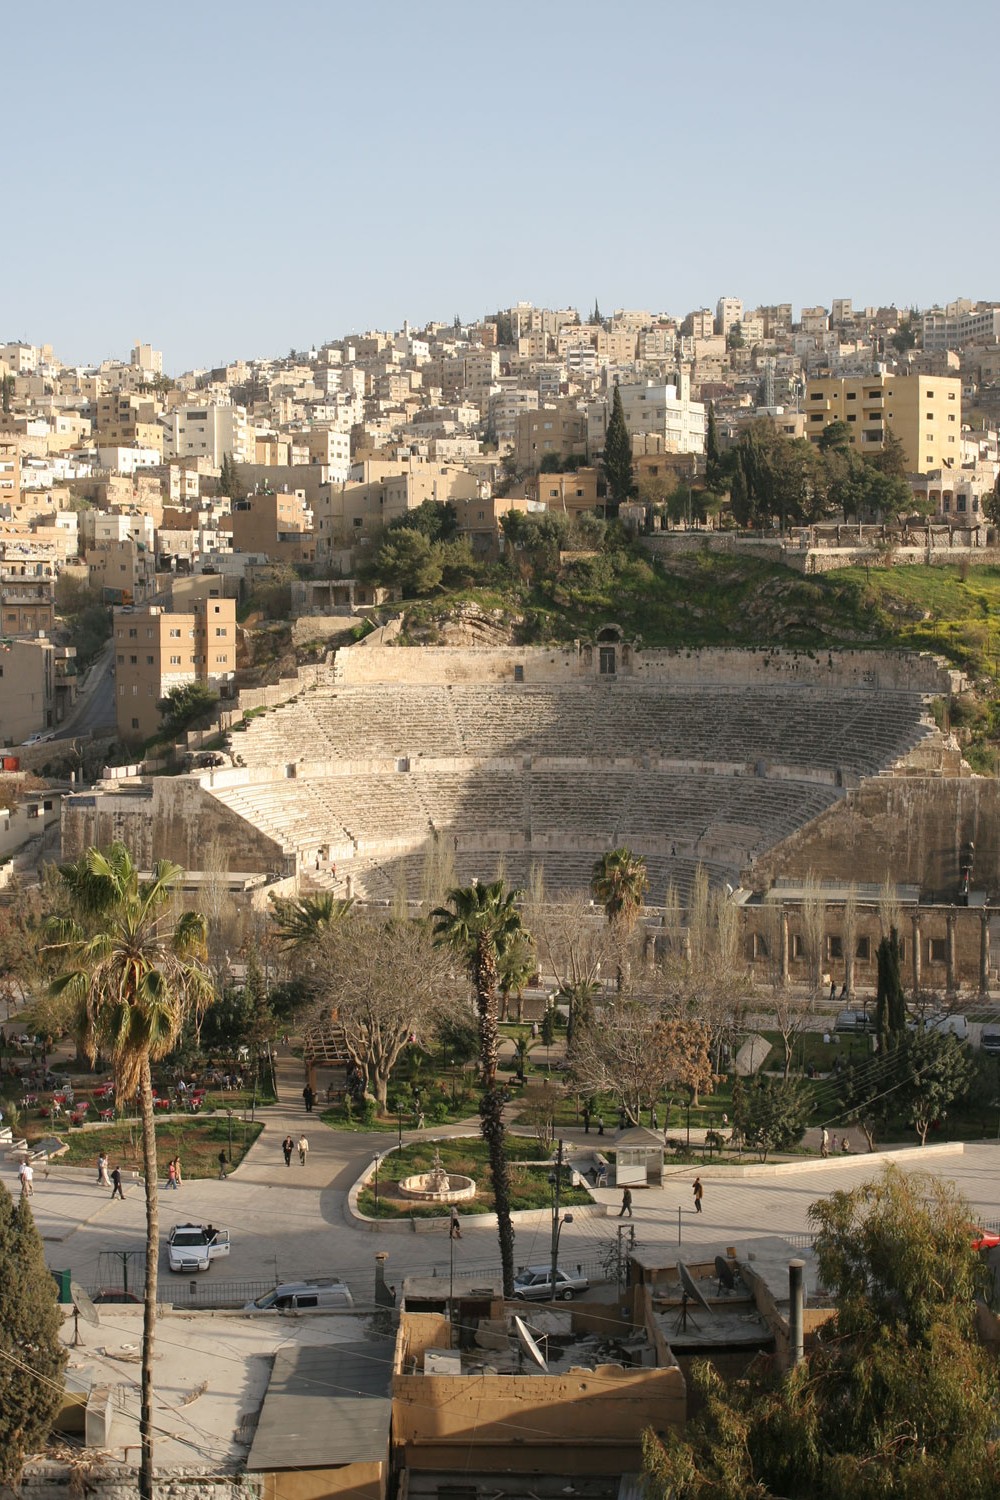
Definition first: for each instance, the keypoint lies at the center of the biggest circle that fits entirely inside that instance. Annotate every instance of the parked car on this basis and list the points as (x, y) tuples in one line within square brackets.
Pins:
[(193, 1247), (985, 1239), (534, 1284), (989, 1039), (854, 1020), (319, 1295), (950, 1025)]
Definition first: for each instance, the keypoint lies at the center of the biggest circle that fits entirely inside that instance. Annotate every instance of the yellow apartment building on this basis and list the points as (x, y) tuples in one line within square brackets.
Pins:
[(923, 411), (158, 649), (10, 467), (37, 687)]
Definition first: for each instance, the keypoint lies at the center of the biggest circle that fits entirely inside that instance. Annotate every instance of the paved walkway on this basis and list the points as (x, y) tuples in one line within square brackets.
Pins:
[(288, 1222)]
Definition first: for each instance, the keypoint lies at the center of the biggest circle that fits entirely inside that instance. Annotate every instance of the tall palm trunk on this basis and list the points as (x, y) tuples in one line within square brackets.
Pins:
[(149, 1299), (491, 1104)]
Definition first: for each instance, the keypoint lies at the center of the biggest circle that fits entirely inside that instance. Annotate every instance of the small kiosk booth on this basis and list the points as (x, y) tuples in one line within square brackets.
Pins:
[(638, 1158)]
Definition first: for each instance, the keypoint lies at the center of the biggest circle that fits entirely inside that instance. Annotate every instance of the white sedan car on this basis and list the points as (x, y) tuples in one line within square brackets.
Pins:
[(193, 1247), (534, 1284)]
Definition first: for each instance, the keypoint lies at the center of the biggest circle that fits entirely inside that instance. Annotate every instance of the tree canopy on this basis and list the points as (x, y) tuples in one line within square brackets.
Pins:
[(895, 1398), (32, 1356)]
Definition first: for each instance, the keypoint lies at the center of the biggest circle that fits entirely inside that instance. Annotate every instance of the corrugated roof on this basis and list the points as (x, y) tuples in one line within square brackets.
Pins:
[(325, 1405)]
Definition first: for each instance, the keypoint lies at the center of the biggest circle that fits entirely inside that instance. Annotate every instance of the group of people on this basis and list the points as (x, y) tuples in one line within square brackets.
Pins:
[(288, 1145), (829, 1145), (114, 1181), (696, 1188)]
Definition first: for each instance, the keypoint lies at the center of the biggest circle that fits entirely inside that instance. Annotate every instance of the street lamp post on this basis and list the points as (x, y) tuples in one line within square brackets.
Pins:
[(557, 1222), (399, 1121), (229, 1117), (376, 1181)]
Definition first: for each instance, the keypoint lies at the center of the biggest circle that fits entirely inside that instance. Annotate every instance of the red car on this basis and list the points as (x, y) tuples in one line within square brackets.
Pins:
[(985, 1239)]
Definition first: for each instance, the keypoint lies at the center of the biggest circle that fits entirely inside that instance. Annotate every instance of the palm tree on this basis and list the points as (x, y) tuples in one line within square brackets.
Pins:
[(481, 923), (619, 882), (515, 967), (132, 967), (299, 922)]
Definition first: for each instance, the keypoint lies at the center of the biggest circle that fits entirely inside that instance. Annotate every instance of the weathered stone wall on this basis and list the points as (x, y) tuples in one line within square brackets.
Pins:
[(170, 817), (913, 826), (110, 1481), (885, 670)]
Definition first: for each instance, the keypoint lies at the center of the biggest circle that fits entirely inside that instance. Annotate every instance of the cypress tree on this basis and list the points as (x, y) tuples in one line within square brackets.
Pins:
[(890, 1002), (617, 454), (32, 1355), (712, 455)]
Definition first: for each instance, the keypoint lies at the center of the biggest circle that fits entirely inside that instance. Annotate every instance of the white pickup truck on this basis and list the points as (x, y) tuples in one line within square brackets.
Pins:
[(193, 1247)]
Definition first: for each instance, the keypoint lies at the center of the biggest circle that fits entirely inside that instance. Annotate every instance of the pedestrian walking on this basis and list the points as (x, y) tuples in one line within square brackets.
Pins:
[(622, 1119), (833, 1144), (116, 1183), (308, 1099), (222, 1165), (421, 1121), (303, 1149), (288, 1146), (699, 1193), (586, 1120), (455, 1225), (824, 1142), (171, 1175), (626, 1207), (177, 1170), (600, 1124), (103, 1180), (26, 1172), (654, 1120)]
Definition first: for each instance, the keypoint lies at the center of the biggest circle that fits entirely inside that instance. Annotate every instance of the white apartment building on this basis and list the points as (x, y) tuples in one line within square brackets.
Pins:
[(505, 406), (127, 460), (100, 526), (208, 432), (960, 323), (666, 411)]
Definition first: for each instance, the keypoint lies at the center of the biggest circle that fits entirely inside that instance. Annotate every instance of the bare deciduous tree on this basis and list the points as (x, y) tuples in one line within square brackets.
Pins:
[(813, 918), (383, 982)]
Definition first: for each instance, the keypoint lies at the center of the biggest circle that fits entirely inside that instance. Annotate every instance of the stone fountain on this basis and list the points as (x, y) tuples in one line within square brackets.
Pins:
[(437, 1186)]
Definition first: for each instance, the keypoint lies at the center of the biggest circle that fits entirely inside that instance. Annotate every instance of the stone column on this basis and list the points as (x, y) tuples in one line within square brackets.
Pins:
[(850, 955), (984, 951), (915, 920), (784, 945), (951, 979)]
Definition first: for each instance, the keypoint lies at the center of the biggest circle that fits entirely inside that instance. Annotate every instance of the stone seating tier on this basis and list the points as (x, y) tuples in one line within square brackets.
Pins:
[(858, 732)]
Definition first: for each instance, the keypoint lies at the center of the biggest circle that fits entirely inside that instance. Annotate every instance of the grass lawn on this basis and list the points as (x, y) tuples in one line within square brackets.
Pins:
[(530, 1186), (197, 1142)]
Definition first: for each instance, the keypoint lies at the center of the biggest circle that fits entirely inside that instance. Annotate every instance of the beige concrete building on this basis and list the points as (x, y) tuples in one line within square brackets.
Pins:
[(551, 430), (124, 569), (157, 649), (569, 493), (10, 466), (37, 687), (27, 589), (924, 412), (275, 522)]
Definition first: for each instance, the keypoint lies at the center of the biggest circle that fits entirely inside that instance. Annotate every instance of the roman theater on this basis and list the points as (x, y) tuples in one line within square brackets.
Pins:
[(763, 766)]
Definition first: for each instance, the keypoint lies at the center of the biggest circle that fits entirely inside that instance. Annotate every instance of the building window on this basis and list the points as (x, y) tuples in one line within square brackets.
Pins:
[(937, 950), (797, 947), (834, 947), (608, 664)]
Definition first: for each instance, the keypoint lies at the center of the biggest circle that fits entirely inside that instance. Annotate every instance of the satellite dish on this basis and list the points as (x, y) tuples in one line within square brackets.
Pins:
[(82, 1308), (724, 1271), (689, 1287), (528, 1345)]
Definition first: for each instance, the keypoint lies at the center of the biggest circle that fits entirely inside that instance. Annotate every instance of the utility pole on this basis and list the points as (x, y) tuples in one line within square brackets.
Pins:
[(555, 1218)]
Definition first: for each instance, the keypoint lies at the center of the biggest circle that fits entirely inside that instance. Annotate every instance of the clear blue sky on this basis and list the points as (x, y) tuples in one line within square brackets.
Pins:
[(236, 178)]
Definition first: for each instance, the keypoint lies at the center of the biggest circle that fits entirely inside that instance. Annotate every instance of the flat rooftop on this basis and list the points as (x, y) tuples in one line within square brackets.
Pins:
[(212, 1372)]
